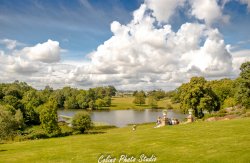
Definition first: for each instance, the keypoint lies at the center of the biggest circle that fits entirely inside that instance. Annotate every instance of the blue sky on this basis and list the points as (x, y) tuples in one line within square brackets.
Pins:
[(42, 41), (79, 26)]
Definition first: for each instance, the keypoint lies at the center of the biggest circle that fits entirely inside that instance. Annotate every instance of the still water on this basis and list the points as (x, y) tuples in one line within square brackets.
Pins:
[(121, 118)]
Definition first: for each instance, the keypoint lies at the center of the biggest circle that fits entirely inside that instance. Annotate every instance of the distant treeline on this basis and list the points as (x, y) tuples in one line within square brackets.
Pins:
[(21, 96)]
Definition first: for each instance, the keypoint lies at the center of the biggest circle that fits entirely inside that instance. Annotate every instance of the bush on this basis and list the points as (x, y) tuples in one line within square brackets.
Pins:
[(36, 134), (19, 119), (48, 118), (221, 113), (81, 121), (229, 102), (65, 129), (8, 125), (169, 106)]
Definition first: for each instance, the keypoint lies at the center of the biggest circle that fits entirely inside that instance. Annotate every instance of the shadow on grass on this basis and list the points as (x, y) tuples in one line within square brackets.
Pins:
[(142, 105), (3, 150), (95, 132)]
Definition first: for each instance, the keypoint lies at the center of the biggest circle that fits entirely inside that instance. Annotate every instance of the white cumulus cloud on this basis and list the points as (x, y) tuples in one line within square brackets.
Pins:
[(47, 52), (139, 53), (208, 10), (164, 9), (142, 54)]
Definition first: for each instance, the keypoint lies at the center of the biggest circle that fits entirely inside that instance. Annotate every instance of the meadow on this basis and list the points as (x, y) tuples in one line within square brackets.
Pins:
[(218, 141)]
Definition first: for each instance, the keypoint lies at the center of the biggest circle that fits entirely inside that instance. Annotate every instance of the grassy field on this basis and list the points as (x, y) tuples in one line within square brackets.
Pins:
[(219, 141), (121, 103)]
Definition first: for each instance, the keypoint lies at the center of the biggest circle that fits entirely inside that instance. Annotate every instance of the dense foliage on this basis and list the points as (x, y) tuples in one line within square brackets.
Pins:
[(22, 106), (48, 117), (197, 95), (152, 101), (9, 122), (81, 121), (243, 93), (139, 97), (201, 95)]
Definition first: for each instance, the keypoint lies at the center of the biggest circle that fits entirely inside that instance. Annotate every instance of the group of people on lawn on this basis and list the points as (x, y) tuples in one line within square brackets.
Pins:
[(162, 121), (171, 121)]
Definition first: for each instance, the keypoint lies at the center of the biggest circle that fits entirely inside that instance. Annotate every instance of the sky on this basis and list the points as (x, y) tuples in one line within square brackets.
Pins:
[(131, 44)]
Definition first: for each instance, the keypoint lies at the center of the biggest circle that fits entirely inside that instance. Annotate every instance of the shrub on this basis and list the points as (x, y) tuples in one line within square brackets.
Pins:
[(229, 102), (8, 125), (19, 119), (169, 106), (48, 118), (152, 101), (100, 103), (81, 121)]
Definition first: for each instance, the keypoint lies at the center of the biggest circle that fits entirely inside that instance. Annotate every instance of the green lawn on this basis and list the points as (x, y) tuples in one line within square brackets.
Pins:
[(221, 141), (121, 103)]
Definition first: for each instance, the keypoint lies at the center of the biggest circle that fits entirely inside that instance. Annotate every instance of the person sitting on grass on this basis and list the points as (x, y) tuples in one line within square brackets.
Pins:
[(158, 122)]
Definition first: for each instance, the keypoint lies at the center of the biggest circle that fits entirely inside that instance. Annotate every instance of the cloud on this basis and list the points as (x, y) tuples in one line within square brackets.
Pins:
[(10, 44), (239, 57), (30, 60), (14, 64), (208, 10), (46, 52), (163, 9), (86, 4), (247, 2), (142, 54)]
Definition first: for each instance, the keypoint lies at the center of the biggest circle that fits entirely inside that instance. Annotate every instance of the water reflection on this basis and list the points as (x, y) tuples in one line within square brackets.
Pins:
[(121, 118)]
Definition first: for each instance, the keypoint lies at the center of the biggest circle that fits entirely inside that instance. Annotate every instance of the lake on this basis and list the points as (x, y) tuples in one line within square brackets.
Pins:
[(121, 118)]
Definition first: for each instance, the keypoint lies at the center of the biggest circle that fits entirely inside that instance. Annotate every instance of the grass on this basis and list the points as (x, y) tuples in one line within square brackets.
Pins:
[(219, 141), (123, 103)]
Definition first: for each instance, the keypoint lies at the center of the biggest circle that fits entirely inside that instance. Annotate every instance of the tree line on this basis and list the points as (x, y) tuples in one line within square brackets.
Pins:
[(152, 97), (202, 96), (22, 105)]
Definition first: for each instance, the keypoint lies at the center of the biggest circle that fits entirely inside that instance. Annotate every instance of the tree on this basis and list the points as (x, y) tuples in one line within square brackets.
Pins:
[(229, 102), (158, 94), (31, 116), (13, 101), (223, 88), (107, 100), (19, 119), (13, 90), (111, 90), (48, 117), (82, 99), (59, 97), (197, 95), (45, 94), (32, 97), (92, 104), (140, 98), (81, 121), (152, 101), (70, 103), (8, 124), (100, 103), (243, 81), (1, 92)]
